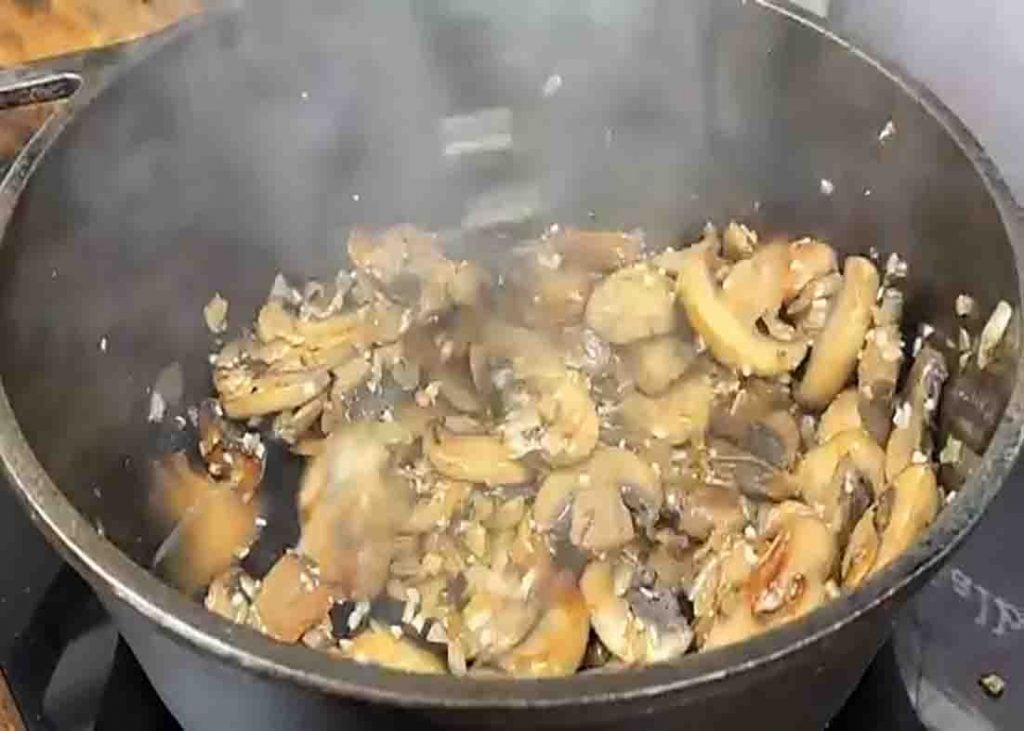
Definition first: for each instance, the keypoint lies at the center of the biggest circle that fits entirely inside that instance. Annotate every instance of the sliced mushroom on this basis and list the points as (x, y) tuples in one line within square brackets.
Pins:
[(910, 440), (456, 386), (381, 647), (879, 367), (809, 260), (569, 417), (972, 404), (656, 362), (834, 355), (641, 626), (291, 599), (788, 580), (556, 645), (678, 416), (474, 458), (502, 610), (212, 534), (843, 414), (632, 304), (407, 265), (914, 504), (438, 508), (597, 251), (601, 499), (703, 509), (861, 551), (551, 296), (816, 473), (755, 287), (275, 392), (733, 467), (728, 336)]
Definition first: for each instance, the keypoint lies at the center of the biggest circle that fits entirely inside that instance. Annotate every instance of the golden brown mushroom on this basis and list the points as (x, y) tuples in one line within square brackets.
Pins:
[(727, 334), (834, 356), (632, 304)]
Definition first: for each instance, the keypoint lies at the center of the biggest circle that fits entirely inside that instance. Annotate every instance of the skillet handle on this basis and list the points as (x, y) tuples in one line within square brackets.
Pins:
[(46, 88)]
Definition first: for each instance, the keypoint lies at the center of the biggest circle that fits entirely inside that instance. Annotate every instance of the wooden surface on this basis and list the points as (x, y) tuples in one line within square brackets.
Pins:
[(31, 30), (9, 718)]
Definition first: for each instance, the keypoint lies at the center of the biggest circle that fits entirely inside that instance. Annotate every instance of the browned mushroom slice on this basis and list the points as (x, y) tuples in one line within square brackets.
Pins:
[(731, 466), (910, 440), (852, 409), (728, 336), (556, 645), (834, 356), (406, 264), (597, 251), (911, 504), (861, 551), (474, 458), (456, 386), (809, 260), (755, 287), (291, 599), (380, 647), (601, 499), (703, 509), (679, 415), (788, 580), (275, 392), (632, 304), (639, 626), (656, 362), (815, 475), (213, 533), (501, 611)]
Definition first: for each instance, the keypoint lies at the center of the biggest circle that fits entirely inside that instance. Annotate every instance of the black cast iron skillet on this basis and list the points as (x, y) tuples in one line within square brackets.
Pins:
[(249, 143)]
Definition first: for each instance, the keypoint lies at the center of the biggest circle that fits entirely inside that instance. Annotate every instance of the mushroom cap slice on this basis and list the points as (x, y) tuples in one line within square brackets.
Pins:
[(834, 356), (599, 499), (631, 638), (632, 304), (679, 415), (727, 335)]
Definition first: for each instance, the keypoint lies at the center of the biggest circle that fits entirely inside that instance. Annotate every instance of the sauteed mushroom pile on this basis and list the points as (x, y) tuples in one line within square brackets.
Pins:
[(607, 457)]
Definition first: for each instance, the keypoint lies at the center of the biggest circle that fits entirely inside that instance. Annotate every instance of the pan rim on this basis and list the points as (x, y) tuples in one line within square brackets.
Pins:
[(178, 617)]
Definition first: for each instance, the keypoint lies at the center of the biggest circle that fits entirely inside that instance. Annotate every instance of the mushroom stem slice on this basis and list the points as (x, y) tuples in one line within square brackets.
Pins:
[(834, 356), (474, 458), (729, 338)]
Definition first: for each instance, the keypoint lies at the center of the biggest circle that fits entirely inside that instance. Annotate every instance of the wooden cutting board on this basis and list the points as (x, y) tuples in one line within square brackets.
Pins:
[(31, 30)]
